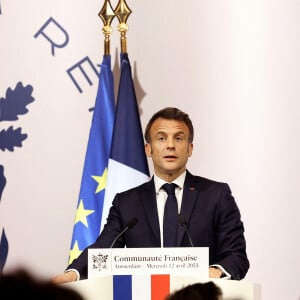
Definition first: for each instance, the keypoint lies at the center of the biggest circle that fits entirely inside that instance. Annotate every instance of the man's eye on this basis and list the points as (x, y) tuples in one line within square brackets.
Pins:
[(179, 138), (161, 138)]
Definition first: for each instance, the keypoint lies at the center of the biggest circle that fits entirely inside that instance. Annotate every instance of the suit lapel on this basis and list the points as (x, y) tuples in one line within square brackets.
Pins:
[(148, 197), (189, 196)]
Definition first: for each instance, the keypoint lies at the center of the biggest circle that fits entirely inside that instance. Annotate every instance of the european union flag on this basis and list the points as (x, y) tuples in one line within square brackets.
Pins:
[(128, 165), (91, 197)]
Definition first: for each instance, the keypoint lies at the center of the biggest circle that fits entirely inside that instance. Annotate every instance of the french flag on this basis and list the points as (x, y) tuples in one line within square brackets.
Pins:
[(133, 287), (127, 165), (130, 287)]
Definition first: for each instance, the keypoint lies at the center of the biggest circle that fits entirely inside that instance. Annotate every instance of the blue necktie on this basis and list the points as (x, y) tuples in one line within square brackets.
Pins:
[(170, 216)]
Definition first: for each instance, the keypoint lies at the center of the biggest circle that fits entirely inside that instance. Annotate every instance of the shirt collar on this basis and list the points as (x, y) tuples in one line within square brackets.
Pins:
[(158, 182)]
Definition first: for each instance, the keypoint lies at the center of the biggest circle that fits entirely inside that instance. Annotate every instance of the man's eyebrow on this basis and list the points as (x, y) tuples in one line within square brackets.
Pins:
[(180, 132), (160, 132)]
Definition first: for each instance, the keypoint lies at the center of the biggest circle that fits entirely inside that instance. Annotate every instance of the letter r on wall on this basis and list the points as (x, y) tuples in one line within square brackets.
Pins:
[(57, 32)]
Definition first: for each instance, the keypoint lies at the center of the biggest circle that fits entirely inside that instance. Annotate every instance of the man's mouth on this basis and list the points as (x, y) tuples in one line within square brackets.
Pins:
[(170, 157)]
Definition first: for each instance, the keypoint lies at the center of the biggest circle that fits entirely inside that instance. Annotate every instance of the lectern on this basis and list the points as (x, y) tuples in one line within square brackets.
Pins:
[(152, 274), (156, 287)]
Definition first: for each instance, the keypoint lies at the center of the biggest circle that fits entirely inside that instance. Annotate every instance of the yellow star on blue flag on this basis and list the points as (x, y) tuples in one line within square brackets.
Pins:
[(82, 213), (101, 181)]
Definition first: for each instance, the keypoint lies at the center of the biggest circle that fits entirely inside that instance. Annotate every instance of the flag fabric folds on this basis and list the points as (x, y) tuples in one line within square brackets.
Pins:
[(128, 165), (92, 190)]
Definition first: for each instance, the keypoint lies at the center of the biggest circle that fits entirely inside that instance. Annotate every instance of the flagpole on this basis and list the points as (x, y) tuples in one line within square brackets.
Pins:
[(107, 15), (122, 11)]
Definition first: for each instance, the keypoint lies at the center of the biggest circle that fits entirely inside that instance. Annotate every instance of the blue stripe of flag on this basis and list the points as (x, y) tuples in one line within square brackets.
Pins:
[(122, 287), (128, 142)]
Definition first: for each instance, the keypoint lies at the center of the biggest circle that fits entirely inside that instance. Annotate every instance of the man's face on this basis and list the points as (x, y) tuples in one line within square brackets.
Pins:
[(169, 148)]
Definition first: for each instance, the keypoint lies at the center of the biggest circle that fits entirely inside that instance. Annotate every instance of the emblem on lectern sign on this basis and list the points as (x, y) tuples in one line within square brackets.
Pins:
[(99, 261)]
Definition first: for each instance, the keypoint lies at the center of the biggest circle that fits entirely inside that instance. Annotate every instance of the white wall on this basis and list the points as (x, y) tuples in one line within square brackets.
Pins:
[(232, 65)]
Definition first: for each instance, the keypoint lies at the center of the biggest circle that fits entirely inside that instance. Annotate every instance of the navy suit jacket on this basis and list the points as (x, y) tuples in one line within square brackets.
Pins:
[(213, 220)]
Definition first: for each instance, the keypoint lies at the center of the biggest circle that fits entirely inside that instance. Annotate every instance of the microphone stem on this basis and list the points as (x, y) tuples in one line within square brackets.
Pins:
[(188, 234), (116, 238)]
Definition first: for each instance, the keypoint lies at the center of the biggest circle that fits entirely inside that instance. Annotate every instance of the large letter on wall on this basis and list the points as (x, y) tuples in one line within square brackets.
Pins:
[(56, 31)]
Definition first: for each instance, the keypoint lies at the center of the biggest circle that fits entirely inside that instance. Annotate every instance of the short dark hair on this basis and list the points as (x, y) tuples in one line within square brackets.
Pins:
[(21, 283), (170, 113)]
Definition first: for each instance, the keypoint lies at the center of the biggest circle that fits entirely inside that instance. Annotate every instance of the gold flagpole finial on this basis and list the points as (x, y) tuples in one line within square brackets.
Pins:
[(122, 11), (106, 14)]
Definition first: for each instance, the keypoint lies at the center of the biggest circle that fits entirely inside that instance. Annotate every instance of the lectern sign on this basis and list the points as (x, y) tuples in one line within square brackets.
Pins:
[(140, 261)]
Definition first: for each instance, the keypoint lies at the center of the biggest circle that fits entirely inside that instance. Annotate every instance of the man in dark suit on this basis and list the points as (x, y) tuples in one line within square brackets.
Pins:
[(207, 207)]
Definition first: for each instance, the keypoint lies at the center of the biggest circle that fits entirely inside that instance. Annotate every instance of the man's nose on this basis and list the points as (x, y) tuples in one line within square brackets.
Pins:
[(170, 143)]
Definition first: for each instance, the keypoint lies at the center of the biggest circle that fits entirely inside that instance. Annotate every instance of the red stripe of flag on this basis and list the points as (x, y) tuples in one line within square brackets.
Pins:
[(160, 287)]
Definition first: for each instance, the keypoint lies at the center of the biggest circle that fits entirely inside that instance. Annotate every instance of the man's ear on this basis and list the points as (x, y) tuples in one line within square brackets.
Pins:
[(190, 149), (148, 150)]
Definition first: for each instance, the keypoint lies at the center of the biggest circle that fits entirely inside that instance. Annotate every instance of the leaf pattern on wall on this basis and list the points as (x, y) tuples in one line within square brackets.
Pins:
[(11, 107)]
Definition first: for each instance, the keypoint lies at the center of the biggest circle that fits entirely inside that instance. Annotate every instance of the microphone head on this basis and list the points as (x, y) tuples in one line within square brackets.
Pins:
[(132, 223), (181, 219)]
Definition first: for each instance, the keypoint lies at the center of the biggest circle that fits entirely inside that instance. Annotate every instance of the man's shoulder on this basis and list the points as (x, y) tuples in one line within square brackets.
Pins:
[(137, 189), (190, 176), (204, 182)]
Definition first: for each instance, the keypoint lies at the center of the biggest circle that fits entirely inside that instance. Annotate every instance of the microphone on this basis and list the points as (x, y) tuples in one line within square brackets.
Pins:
[(182, 221), (129, 225)]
